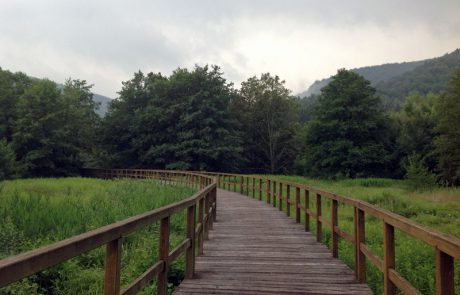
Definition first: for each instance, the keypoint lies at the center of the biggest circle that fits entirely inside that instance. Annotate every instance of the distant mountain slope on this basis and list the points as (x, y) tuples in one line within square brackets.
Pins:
[(395, 81), (104, 103)]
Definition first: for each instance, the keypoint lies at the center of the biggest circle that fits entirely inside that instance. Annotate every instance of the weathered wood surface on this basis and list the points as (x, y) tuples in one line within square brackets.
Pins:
[(256, 249)]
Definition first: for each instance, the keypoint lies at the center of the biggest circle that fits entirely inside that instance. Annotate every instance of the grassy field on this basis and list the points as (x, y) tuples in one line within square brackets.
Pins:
[(438, 209), (37, 212)]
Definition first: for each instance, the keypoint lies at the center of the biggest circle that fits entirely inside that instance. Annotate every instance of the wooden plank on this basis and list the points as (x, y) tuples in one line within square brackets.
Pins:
[(374, 259), (402, 283), (148, 276), (245, 256)]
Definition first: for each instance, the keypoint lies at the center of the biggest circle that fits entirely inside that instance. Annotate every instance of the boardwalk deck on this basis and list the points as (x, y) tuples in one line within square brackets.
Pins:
[(256, 249)]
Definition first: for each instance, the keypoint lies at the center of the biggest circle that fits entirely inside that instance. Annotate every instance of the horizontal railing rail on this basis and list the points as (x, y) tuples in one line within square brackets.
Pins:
[(201, 213), (447, 248)]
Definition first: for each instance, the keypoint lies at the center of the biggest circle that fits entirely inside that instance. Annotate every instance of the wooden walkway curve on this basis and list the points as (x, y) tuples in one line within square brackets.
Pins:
[(256, 249)]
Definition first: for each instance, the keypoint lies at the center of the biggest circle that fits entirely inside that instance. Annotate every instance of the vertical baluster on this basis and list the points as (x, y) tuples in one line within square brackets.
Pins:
[(319, 228), (253, 187), (297, 204), (334, 223), (274, 196), (288, 200), (200, 220), (360, 258), (307, 207), (190, 253), (269, 191), (162, 280), (247, 185), (444, 273), (389, 261), (112, 267), (241, 184), (280, 200), (260, 189), (207, 217)]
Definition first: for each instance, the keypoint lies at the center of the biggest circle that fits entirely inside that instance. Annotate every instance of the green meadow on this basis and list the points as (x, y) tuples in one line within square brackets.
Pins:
[(38, 212)]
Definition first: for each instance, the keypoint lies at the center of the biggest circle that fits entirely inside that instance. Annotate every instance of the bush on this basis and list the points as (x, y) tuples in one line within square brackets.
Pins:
[(8, 165), (419, 177)]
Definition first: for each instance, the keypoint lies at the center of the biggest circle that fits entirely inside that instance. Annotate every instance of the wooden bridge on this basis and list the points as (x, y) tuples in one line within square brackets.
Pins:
[(251, 247)]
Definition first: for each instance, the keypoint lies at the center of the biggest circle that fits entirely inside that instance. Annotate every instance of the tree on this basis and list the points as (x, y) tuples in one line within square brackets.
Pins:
[(447, 143), (42, 139), (269, 116), (347, 134), (177, 122)]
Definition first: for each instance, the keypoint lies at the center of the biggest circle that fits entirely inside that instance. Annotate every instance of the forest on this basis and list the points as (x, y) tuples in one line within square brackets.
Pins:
[(194, 119)]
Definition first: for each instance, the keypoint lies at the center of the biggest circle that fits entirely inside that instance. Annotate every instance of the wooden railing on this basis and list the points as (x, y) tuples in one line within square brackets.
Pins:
[(203, 204), (447, 248)]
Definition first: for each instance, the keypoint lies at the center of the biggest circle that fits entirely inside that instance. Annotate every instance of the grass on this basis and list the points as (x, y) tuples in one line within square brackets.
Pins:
[(438, 209), (37, 212)]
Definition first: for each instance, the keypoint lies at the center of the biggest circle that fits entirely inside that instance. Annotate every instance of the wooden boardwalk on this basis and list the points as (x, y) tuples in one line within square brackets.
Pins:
[(256, 249)]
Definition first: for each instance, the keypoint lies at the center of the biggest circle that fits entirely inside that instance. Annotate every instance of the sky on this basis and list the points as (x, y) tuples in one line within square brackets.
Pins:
[(105, 42)]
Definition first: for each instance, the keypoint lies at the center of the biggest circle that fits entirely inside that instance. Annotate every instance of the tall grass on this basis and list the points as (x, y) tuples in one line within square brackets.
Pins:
[(37, 212)]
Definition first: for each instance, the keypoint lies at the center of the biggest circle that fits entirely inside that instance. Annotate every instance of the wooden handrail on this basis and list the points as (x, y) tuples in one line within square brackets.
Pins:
[(23, 265), (447, 247)]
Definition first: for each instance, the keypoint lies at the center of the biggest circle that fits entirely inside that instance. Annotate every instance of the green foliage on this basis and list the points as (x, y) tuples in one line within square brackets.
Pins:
[(269, 116), (447, 143), (177, 122), (37, 212), (346, 138), (418, 175), (9, 168)]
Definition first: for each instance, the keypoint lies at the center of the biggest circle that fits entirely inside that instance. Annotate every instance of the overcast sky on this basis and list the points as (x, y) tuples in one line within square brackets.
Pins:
[(105, 42)]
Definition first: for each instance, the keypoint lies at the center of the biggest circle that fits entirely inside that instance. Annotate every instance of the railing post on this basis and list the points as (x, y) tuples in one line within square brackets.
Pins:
[(444, 273), (269, 191), (247, 186), (200, 220), (280, 200), (190, 253), (214, 197), (388, 258), (288, 201), (234, 184), (319, 228), (297, 204), (307, 207), (334, 223), (241, 184), (206, 215), (274, 196), (162, 280), (360, 258), (253, 187), (112, 267), (260, 189)]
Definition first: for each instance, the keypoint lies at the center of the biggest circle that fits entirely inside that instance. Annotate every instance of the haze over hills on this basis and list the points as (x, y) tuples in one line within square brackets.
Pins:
[(395, 81)]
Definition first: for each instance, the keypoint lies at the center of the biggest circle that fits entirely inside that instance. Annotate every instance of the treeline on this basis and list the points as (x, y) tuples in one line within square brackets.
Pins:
[(196, 120)]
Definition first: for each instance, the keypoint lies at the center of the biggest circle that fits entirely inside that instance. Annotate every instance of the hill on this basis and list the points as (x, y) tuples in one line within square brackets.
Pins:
[(104, 103), (395, 81)]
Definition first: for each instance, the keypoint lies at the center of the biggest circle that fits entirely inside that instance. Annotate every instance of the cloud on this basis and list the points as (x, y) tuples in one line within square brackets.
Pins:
[(104, 42)]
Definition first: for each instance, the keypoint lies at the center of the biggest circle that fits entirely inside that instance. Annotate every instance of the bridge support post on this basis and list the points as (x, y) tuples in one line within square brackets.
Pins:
[(269, 190), (319, 225)]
